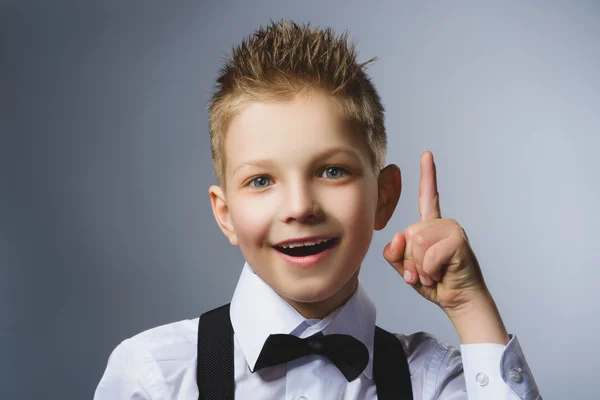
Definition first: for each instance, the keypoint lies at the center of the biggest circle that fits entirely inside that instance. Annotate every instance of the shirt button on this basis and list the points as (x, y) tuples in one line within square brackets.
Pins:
[(515, 375), (482, 379)]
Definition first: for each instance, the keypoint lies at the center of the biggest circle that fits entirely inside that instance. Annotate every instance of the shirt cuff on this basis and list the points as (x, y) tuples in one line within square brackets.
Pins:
[(497, 372)]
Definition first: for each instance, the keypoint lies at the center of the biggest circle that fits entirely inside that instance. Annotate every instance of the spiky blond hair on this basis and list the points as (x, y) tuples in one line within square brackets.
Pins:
[(284, 59)]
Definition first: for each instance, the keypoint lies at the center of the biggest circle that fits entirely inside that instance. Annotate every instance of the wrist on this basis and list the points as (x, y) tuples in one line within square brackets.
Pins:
[(478, 320)]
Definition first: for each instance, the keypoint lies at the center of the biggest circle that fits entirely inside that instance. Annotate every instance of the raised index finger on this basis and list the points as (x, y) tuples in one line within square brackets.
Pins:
[(429, 200)]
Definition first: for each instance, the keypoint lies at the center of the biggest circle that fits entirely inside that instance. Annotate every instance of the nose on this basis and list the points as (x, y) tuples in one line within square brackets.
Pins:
[(300, 204)]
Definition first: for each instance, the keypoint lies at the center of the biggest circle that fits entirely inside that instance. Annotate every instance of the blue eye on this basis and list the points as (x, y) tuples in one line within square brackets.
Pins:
[(334, 172), (260, 182)]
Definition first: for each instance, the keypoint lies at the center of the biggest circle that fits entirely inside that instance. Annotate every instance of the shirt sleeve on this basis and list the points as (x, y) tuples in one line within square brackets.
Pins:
[(498, 372), (129, 375)]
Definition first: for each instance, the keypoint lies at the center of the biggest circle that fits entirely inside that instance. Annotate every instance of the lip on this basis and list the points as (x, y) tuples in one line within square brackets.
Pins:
[(304, 239), (307, 261)]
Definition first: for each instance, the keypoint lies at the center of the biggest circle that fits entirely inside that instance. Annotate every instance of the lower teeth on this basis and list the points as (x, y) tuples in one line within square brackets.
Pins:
[(303, 251)]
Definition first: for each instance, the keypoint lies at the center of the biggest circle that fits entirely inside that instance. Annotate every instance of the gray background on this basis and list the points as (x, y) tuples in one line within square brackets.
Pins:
[(105, 223)]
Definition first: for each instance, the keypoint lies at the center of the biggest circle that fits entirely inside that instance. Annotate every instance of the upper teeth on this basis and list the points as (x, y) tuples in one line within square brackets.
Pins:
[(299, 244)]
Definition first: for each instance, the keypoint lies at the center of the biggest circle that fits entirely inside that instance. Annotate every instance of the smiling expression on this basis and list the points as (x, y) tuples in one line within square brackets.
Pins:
[(300, 199)]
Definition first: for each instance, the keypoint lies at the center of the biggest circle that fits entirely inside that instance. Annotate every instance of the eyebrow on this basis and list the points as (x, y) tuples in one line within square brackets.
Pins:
[(321, 156)]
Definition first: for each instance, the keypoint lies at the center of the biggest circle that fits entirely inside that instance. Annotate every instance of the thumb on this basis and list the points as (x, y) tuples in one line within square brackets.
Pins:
[(394, 252)]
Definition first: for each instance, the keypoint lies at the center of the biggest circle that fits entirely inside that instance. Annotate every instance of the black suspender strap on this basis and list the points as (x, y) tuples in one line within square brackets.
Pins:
[(390, 367), (214, 371), (215, 368)]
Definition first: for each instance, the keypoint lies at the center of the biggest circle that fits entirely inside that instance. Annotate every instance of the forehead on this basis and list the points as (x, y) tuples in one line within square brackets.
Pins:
[(288, 131)]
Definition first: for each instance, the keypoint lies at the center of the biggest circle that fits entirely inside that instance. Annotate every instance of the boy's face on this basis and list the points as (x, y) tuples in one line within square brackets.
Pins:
[(295, 176)]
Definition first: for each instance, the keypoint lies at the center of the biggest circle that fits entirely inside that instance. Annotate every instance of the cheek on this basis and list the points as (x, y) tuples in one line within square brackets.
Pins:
[(356, 211), (250, 219)]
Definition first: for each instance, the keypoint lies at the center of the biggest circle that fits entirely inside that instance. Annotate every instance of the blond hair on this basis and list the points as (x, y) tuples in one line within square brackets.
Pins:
[(282, 60)]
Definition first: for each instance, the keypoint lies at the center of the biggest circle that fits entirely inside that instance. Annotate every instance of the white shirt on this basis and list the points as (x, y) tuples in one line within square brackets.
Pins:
[(160, 363)]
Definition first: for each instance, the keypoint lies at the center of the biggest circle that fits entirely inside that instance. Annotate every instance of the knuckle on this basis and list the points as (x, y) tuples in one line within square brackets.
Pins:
[(453, 221), (420, 238)]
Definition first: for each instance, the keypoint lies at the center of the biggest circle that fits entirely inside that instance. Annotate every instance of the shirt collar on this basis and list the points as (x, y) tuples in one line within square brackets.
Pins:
[(254, 304)]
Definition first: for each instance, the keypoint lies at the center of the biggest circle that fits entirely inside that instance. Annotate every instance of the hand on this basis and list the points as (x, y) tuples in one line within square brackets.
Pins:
[(434, 255)]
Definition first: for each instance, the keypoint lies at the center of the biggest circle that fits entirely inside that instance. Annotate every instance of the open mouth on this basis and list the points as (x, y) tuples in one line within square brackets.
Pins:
[(303, 250)]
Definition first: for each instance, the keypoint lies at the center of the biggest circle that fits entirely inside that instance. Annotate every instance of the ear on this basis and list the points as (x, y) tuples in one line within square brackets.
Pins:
[(221, 213), (389, 186)]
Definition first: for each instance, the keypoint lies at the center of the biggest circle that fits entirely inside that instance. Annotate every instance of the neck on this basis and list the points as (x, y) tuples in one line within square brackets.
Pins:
[(322, 308)]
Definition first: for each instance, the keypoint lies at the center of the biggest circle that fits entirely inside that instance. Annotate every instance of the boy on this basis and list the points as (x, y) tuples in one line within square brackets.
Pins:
[(298, 145)]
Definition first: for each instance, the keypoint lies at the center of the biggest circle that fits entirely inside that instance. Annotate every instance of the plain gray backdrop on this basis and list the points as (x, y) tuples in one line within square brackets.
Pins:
[(105, 223)]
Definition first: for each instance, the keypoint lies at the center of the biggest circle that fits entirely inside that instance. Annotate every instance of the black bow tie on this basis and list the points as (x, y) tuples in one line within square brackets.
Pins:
[(350, 355)]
